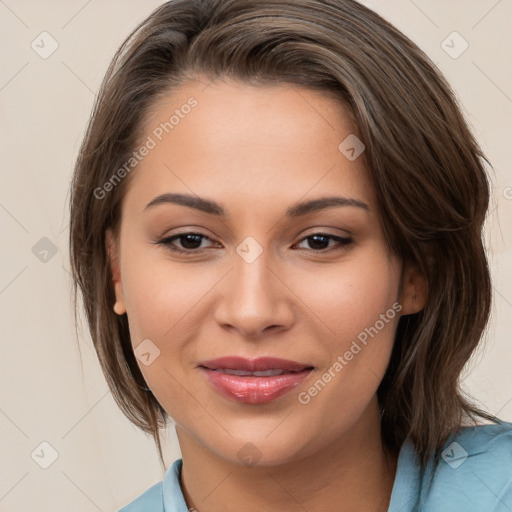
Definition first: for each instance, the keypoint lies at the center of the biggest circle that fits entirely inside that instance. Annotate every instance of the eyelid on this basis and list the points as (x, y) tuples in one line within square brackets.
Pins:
[(167, 240), (341, 242)]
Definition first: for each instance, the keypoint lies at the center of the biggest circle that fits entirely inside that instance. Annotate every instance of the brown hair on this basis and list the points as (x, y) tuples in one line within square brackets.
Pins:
[(425, 165)]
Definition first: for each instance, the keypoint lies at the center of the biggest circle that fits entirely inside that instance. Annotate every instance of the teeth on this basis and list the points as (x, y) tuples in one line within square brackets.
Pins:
[(243, 373)]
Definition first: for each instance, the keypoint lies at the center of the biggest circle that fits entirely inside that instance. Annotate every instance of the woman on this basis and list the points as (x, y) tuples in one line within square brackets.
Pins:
[(276, 228)]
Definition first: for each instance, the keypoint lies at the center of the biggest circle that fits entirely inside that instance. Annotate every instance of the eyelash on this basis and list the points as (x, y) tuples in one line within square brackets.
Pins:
[(342, 242)]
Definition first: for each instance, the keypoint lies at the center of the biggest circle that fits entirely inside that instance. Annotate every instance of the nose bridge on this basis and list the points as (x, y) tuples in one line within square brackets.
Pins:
[(252, 296)]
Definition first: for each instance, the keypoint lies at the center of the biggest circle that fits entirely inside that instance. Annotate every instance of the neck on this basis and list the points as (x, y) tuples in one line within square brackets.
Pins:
[(352, 472)]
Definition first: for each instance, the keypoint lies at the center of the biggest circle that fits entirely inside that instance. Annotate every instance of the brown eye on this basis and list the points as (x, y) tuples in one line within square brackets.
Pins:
[(319, 242), (188, 242)]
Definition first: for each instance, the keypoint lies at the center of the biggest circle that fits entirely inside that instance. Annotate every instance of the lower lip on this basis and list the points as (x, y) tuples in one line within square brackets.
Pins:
[(254, 390)]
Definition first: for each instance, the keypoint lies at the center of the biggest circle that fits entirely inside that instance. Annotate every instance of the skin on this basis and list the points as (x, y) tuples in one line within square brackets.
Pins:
[(258, 151)]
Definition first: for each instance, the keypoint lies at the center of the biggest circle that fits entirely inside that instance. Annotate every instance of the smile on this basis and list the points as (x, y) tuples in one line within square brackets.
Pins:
[(255, 381)]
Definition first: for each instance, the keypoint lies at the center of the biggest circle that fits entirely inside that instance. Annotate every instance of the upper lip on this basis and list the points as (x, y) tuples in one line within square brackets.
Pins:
[(253, 365)]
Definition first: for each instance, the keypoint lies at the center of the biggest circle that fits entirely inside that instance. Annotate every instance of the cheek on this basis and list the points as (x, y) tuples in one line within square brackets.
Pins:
[(351, 296), (166, 303), (160, 298), (358, 305), (157, 291), (156, 300)]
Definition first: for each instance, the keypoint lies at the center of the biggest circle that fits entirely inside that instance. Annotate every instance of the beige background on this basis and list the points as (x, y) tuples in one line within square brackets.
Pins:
[(55, 393)]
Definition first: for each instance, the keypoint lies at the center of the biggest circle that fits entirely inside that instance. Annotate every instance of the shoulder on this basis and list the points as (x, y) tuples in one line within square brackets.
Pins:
[(474, 472), (481, 447), (149, 501)]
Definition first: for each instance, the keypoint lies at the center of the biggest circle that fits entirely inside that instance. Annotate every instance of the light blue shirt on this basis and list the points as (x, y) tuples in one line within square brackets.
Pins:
[(474, 475)]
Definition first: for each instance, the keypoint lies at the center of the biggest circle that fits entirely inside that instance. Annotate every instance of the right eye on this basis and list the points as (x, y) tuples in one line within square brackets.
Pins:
[(190, 242)]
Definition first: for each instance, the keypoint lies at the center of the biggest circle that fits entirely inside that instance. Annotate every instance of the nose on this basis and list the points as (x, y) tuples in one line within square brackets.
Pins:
[(254, 299)]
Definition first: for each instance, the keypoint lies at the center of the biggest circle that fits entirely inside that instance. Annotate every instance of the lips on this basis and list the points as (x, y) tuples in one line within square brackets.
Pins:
[(254, 381)]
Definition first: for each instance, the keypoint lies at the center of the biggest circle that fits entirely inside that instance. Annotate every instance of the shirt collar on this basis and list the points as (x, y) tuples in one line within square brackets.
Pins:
[(405, 495), (173, 497)]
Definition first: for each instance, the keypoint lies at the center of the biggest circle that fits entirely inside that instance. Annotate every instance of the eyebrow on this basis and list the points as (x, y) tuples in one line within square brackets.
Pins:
[(213, 208)]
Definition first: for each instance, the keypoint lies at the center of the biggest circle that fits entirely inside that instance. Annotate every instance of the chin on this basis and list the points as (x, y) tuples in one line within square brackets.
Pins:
[(259, 449)]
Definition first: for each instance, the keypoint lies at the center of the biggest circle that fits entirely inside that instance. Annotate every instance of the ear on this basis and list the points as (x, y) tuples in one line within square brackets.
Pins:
[(413, 295), (112, 247)]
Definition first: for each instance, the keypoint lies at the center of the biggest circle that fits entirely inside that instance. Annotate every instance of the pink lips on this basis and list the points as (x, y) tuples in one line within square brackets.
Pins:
[(254, 381)]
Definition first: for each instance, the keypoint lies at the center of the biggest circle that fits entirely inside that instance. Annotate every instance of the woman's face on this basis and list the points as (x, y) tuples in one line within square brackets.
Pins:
[(275, 267)]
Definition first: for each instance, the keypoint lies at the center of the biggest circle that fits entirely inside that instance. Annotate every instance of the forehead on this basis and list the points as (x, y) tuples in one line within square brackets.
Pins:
[(248, 142)]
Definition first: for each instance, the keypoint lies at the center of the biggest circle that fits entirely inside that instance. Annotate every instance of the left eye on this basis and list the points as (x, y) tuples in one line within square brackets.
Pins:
[(319, 239), (191, 242)]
